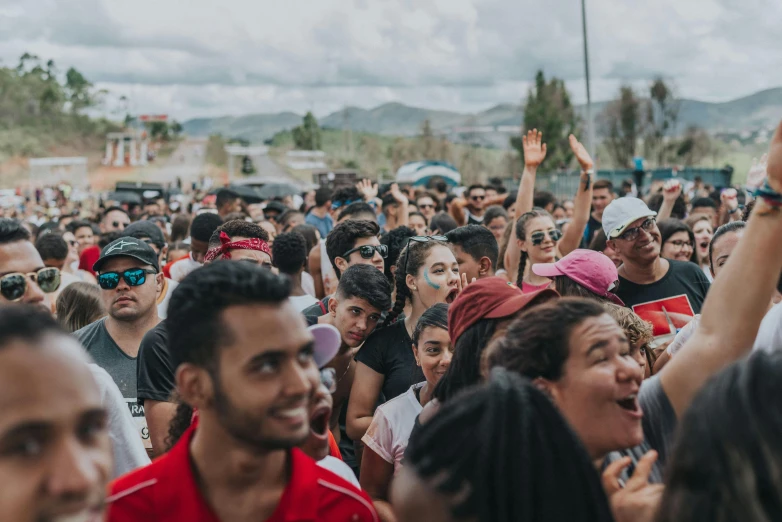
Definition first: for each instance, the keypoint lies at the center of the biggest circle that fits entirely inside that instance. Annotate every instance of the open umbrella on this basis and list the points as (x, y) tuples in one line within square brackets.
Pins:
[(278, 190), (248, 194)]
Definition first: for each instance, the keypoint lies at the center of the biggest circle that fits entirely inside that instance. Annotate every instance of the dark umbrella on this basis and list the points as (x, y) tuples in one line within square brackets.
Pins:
[(278, 190), (248, 194), (124, 196)]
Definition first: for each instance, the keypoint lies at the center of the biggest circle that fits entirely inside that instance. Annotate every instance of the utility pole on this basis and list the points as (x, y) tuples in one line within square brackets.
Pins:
[(590, 130), (347, 133)]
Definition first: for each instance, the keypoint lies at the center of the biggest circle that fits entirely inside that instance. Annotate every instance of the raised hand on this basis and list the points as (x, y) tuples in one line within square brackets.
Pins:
[(583, 157), (367, 189), (730, 199), (672, 189), (534, 148), (398, 196), (462, 284), (638, 500), (757, 172)]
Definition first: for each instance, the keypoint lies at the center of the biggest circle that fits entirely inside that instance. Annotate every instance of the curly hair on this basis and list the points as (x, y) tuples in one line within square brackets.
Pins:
[(289, 252), (238, 228)]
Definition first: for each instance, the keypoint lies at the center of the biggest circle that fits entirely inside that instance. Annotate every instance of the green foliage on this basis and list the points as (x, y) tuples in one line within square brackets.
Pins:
[(307, 135), (662, 114), (158, 130), (548, 109), (175, 128), (38, 111), (623, 122)]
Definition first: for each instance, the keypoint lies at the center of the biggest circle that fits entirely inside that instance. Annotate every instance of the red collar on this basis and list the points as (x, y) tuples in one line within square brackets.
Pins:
[(299, 501)]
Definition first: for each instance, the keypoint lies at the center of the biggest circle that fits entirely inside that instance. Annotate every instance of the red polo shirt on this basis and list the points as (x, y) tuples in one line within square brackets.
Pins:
[(166, 491)]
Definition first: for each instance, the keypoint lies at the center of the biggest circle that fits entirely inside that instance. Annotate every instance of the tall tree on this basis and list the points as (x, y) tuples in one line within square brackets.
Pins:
[(694, 146), (427, 143), (548, 109), (79, 90), (622, 122), (662, 115), (307, 135)]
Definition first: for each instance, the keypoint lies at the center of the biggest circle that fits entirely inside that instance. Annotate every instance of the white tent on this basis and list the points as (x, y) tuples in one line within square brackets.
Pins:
[(421, 172)]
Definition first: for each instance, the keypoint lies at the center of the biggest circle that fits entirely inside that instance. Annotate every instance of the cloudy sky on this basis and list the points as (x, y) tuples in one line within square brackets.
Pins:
[(214, 57)]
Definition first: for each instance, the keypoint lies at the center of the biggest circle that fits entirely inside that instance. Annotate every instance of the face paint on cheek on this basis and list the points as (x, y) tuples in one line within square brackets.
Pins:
[(430, 282)]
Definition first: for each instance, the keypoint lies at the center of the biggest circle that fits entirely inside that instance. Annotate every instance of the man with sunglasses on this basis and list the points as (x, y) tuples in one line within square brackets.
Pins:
[(130, 281), (663, 292), (114, 219), (475, 195), (426, 206), (23, 276)]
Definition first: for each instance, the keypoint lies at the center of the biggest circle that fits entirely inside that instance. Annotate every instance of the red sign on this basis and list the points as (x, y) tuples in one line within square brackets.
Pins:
[(153, 117), (666, 315)]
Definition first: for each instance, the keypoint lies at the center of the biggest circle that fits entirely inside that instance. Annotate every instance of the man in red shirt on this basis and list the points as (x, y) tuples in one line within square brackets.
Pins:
[(247, 363)]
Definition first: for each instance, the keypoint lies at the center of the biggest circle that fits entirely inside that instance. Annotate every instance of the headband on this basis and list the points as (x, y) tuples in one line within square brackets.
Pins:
[(245, 244)]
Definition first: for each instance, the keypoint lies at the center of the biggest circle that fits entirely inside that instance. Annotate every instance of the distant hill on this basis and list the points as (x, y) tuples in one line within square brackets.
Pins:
[(758, 111)]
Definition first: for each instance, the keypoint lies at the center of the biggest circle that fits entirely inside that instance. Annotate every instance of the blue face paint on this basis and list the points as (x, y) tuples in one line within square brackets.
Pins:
[(429, 281)]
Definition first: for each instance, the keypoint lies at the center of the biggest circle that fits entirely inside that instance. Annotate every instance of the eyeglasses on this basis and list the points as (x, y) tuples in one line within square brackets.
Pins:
[(132, 276), (680, 244), (368, 251), (540, 236), (14, 286), (328, 377), (631, 234), (420, 239)]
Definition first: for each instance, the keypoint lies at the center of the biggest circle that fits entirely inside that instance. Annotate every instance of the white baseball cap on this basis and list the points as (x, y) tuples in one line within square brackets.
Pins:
[(621, 212), (327, 343)]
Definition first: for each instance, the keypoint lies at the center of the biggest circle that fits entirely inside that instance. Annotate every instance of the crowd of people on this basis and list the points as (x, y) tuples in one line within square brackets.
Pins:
[(396, 353)]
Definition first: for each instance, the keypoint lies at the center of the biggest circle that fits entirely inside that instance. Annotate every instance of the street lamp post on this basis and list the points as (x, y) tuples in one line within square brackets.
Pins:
[(590, 131)]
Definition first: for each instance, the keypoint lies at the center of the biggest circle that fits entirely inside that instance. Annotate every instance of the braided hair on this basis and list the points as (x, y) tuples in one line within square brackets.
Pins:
[(521, 235), (413, 256), (501, 452)]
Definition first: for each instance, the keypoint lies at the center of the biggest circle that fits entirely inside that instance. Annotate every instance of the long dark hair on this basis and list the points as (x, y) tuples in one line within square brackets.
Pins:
[(521, 235), (669, 227), (465, 368), (502, 452), (412, 257), (725, 464)]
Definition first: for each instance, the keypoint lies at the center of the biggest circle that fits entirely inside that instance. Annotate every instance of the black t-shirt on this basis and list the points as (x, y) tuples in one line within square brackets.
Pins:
[(389, 351), (316, 310), (591, 229), (155, 369), (670, 303)]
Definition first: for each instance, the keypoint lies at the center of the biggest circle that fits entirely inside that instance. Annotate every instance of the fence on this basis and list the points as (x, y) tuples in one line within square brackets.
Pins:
[(564, 184)]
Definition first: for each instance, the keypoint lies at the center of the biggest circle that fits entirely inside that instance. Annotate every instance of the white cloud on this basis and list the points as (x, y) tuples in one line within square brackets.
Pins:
[(238, 56)]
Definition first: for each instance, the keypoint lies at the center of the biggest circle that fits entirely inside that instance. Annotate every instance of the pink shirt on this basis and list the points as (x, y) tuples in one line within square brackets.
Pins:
[(527, 288)]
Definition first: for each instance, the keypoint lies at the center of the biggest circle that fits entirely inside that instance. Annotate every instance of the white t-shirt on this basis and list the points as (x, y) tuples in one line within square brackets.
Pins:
[(308, 283), (339, 468), (769, 336), (181, 268), (129, 452), (302, 301), (391, 427), (162, 306)]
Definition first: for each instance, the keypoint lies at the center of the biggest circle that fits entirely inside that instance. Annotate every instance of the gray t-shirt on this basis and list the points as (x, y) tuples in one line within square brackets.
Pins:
[(119, 365), (659, 422)]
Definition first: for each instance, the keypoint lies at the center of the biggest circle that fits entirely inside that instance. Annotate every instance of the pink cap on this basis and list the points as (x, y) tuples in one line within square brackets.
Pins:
[(592, 270)]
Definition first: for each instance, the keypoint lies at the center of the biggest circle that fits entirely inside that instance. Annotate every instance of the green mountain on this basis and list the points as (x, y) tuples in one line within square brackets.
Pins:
[(761, 110)]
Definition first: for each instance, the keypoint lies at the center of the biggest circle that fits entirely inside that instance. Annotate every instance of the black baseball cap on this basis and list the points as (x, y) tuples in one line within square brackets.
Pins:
[(128, 247), (146, 229)]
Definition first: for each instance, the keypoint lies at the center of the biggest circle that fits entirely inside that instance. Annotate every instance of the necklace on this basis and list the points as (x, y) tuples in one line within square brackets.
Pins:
[(350, 362)]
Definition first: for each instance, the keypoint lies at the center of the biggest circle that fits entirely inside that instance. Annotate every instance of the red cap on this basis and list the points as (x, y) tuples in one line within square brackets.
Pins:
[(489, 298), (88, 258)]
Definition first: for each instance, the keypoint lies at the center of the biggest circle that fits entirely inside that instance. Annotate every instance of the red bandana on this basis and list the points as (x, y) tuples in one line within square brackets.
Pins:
[(226, 246)]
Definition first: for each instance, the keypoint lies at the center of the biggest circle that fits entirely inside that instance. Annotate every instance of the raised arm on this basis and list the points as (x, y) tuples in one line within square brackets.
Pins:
[(534, 154), (403, 219), (457, 211), (746, 284), (582, 202), (671, 191)]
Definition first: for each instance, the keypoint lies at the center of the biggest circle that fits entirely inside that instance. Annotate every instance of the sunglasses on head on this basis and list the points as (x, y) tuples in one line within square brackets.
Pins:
[(631, 234), (421, 239), (131, 276), (368, 251), (14, 286), (540, 236)]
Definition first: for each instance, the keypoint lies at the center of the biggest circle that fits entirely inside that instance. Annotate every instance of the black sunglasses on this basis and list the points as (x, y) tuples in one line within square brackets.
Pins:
[(477, 198), (368, 251), (631, 234), (116, 224), (540, 236), (14, 286), (132, 276), (420, 239)]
